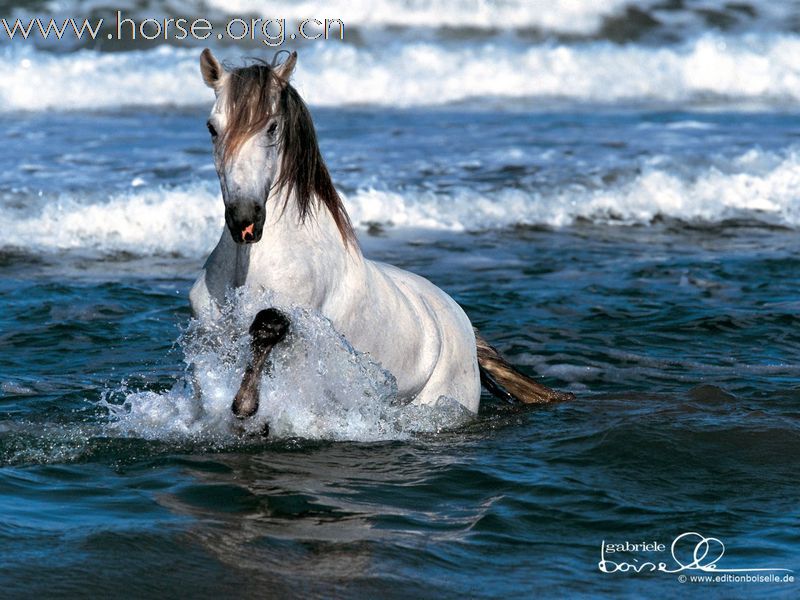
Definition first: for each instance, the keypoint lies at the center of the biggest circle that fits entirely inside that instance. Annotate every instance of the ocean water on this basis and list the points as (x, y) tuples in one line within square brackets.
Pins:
[(610, 190)]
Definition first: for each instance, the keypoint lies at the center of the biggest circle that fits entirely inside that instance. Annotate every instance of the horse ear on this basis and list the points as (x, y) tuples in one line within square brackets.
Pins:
[(211, 69), (284, 70)]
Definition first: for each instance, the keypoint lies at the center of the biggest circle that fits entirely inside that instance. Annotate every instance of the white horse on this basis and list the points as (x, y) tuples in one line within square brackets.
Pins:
[(288, 232)]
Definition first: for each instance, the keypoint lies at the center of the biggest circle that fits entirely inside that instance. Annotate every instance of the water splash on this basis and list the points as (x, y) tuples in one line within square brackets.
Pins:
[(317, 386)]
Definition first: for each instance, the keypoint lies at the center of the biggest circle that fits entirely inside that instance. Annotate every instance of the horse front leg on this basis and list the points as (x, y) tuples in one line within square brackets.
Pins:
[(268, 328)]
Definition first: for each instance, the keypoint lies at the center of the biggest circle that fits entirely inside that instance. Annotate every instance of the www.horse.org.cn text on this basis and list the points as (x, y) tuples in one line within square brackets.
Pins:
[(270, 32)]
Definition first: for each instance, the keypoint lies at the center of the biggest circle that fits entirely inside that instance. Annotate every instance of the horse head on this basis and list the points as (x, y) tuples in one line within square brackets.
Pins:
[(265, 147)]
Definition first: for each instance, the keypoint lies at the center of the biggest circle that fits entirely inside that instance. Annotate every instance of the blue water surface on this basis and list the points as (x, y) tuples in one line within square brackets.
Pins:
[(678, 337)]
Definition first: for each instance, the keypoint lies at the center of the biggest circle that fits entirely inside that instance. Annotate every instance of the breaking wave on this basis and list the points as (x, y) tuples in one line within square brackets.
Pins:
[(614, 19), (728, 69), (756, 185)]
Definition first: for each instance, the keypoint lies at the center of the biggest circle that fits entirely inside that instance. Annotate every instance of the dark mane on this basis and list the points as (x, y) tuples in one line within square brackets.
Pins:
[(250, 104)]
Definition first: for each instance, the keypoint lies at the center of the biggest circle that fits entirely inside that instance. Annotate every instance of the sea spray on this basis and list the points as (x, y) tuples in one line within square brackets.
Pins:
[(316, 386)]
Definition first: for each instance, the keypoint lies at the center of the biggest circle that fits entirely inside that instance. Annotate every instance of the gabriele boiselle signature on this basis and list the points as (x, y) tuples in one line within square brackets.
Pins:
[(690, 551)]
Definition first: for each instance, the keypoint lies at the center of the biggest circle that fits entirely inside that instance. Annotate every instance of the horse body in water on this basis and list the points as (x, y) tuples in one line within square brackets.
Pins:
[(288, 232)]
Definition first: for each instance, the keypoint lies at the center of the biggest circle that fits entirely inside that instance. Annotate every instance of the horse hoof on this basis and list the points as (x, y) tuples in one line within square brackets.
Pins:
[(269, 327), (245, 404)]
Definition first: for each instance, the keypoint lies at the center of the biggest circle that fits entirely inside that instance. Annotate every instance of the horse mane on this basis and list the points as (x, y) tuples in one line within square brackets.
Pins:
[(250, 106)]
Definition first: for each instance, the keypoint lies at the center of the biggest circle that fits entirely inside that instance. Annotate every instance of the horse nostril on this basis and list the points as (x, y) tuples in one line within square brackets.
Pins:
[(247, 233)]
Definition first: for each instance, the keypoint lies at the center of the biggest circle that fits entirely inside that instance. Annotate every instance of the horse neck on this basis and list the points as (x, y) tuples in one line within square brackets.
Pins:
[(318, 229), (313, 246)]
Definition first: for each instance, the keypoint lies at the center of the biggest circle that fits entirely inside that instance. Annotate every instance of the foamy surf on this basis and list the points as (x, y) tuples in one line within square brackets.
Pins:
[(154, 221), (726, 69), (144, 221), (573, 18), (759, 186), (558, 16), (317, 387), (551, 15)]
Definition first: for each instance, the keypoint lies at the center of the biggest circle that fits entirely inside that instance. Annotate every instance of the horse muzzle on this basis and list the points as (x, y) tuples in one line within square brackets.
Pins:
[(247, 230)]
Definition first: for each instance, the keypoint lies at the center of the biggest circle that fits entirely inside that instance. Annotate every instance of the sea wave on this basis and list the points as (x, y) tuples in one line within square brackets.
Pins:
[(750, 68), (550, 15), (612, 19), (759, 186), (567, 16)]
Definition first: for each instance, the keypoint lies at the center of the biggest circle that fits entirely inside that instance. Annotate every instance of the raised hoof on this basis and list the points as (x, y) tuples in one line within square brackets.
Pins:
[(245, 403), (269, 327)]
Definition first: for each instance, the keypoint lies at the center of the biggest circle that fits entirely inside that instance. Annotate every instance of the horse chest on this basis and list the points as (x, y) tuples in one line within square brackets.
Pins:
[(292, 280)]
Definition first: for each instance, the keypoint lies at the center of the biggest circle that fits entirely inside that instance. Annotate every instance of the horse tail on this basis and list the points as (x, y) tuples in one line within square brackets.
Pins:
[(505, 382)]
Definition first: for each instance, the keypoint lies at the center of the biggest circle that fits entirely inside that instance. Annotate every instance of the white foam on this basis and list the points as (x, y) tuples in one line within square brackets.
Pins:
[(572, 17), (38, 80), (566, 16), (569, 16), (758, 185), (317, 387), (745, 68), (183, 221)]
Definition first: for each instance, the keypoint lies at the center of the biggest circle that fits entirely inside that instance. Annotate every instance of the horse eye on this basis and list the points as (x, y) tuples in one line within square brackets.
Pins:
[(211, 129), (272, 128)]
